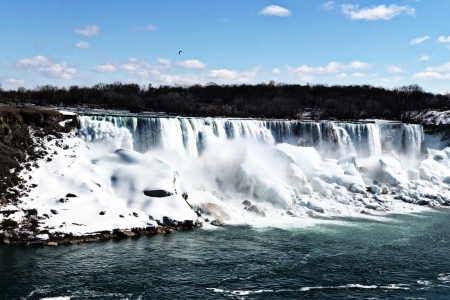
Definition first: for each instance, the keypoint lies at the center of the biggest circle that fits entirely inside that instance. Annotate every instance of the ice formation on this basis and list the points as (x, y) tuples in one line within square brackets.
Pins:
[(247, 171)]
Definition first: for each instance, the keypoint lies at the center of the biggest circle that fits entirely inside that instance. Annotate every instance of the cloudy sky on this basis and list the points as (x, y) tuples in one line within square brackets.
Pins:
[(382, 43)]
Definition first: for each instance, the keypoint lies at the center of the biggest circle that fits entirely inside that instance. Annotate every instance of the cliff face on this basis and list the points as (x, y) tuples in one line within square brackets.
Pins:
[(17, 145)]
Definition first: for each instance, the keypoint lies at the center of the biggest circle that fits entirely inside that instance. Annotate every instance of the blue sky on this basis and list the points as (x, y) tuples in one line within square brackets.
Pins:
[(81, 42)]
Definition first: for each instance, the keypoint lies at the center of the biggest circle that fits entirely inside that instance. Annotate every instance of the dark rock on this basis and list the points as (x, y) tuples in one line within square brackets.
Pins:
[(71, 195), (217, 222), (135, 214), (158, 193), (423, 202), (102, 213), (151, 218), (167, 221), (185, 196), (247, 203), (373, 206), (199, 214), (289, 213), (207, 220), (121, 216), (256, 210), (438, 157), (32, 212), (365, 213), (54, 211), (188, 223)]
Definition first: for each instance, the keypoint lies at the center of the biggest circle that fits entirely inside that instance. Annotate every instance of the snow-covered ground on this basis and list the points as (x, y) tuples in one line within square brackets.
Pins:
[(433, 117), (87, 185)]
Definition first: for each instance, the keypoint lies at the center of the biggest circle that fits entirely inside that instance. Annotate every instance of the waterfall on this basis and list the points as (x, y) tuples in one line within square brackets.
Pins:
[(187, 136)]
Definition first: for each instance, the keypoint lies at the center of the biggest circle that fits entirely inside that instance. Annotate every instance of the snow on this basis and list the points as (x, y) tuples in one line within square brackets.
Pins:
[(113, 183), (110, 180)]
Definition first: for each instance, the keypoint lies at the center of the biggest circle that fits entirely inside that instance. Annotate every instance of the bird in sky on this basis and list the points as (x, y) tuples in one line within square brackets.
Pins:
[(179, 52)]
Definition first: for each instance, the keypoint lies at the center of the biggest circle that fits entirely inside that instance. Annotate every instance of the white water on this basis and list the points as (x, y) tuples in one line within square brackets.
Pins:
[(303, 167)]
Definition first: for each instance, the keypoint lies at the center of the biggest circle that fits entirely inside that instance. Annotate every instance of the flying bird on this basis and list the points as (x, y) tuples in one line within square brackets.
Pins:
[(179, 52)]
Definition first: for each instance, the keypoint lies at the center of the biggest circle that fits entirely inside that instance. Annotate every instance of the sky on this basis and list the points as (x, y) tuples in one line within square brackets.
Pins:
[(80, 42)]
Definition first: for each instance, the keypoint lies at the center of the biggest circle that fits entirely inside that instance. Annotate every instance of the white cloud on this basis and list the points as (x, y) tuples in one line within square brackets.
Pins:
[(357, 74), (164, 61), (443, 39), (192, 64), (431, 75), (90, 30), (150, 27), (380, 12), (328, 5), (392, 79), (45, 66), (307, 72), (83, 45), (13, 81), (276, 70), (394, 69), (424, 57), (419, 40), (275, 10), (442, 68), (341, 75), (227, 75), (105, 68)]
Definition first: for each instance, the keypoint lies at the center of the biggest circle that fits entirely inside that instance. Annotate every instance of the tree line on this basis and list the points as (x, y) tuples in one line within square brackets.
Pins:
[(264, 100)]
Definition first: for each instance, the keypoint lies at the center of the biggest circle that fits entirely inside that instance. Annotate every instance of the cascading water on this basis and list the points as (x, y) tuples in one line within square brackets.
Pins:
[(184, 135)]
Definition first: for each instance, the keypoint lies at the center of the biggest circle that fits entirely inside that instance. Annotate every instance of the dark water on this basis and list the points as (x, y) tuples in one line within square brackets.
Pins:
[(401, 257)]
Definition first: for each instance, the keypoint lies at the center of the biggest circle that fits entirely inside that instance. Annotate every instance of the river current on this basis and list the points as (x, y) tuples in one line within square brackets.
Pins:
[(392, 257)]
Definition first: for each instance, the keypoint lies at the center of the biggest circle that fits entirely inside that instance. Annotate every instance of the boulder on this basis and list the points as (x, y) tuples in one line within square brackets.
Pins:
[(374, 189), (214, 210), (217, 222), (54, 211), (71, 195), (256, 210), (102, 213), (247, 203), (315, 206), (159, 194)]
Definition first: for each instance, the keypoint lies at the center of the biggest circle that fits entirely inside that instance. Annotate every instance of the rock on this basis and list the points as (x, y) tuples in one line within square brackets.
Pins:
[(151, 218), (128, 233), (247, 203), (256, 210), (159, 194), (207, 220), (6, 241), (374, 189), (423, 202), (188, 223), (446, 180), (185, 196), (135, 214), (102, 213), (438, 157), (54, 211), (289, 213), (54, 244), (314, 206), (71, 195), (214, 210), (121, 216), (365, 212), (217, 222)]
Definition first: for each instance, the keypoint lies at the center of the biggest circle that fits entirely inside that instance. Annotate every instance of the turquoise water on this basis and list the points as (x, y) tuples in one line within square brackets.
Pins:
[(398, 257)]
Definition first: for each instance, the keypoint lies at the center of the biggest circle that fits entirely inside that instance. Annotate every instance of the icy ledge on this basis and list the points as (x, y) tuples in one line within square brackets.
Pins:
[(72, 195)]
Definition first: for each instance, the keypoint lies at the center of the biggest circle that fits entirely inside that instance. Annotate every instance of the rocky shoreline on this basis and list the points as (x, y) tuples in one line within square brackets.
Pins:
[(24, 133)]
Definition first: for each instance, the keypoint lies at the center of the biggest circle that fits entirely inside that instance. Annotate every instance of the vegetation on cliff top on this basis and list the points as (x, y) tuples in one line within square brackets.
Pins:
[(270, 100)]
